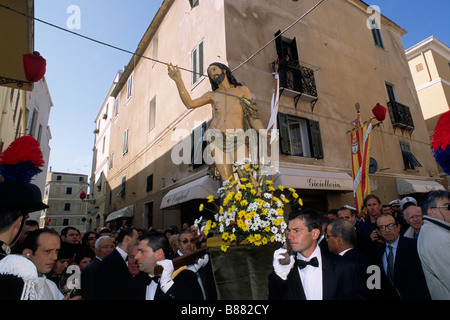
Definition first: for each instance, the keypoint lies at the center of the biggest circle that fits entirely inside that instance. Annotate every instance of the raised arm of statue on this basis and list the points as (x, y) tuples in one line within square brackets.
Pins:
[(175, 75)]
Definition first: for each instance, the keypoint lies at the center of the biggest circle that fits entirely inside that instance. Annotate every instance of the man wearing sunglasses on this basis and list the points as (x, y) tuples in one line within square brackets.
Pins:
[(187, 244), (402, 276), (434, 243)]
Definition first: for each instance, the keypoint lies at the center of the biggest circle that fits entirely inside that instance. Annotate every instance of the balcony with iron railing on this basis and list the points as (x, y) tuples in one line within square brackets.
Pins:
[(401, 116), (297, 81)]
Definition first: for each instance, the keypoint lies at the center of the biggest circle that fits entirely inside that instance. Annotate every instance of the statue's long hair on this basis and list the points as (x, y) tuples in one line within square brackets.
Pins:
[(231, 79)]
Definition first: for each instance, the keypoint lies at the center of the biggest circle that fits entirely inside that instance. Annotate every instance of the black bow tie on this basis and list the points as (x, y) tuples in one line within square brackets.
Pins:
[(302, 263), (150, 279)]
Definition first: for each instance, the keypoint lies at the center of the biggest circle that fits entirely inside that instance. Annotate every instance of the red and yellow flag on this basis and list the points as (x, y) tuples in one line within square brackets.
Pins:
[(361, 141)]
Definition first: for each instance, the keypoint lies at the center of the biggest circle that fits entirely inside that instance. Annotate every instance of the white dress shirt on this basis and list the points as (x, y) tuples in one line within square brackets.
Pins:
[(151, 290), (312, 276), (47, 289)]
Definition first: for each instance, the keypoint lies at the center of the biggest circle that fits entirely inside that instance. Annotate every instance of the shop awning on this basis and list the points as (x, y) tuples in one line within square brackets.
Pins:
[(197, 189), (407, 186), (312, 179), (121, 213)]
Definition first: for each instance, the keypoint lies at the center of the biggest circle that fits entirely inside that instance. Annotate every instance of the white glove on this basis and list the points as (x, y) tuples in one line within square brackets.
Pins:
[(282, 270), (201, 262), (166, 281)]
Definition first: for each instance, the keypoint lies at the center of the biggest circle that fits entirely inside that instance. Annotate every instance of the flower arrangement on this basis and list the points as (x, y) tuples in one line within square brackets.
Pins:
[(249, 212)]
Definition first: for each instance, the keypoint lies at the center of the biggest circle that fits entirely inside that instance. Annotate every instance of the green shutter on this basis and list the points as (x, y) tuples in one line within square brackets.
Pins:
[(316, 140), (285, 143)]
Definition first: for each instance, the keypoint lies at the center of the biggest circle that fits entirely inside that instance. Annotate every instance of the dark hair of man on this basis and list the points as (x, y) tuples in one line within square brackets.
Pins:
[(344, 230), (311, 218), (31, 241), (387, 215), (128, 231), (7, 218), (32, 223), (429, 200), (66, 230), (183, 232), (371, 196), (231, 79), (157, 240)]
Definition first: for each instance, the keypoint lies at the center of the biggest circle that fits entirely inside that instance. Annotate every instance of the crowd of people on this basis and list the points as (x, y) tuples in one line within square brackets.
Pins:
[(331, 257), (407, 240)]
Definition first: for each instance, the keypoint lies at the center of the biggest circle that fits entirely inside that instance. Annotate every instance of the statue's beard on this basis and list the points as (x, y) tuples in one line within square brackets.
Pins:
[(219, 79)]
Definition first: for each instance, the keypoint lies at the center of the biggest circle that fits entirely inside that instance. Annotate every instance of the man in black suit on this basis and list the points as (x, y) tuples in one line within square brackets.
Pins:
[(316, 275), (112, 282), (402, 276), (341, 238), (153, 249), (202, 268), (103, 247)]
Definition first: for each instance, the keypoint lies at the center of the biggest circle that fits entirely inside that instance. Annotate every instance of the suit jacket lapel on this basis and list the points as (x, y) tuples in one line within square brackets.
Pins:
[(327, 279), (297, 291)]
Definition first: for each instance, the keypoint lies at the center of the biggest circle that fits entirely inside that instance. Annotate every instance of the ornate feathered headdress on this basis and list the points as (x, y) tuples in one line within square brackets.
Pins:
[(440, 142), (21, 160), (18, 164)]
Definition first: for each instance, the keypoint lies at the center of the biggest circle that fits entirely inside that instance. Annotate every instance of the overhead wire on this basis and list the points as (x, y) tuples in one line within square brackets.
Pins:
[(153, 59)]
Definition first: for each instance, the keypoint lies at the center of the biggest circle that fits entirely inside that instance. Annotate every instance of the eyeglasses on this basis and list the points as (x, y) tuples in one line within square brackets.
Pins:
[(92, 238), (447, 206), (326, 236), (185, 241), (390, 226)]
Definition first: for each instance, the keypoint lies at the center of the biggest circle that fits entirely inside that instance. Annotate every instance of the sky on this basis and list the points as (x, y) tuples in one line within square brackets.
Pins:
[(80, 72)]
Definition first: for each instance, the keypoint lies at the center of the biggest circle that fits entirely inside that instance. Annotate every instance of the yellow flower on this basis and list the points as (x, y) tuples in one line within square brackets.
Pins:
[(241, 213), (249, 215), (291, 189), (280, 211), (300, 202), (224, 248), (272, 189), (210, 198), (242, 187), (249, 185), (247, 168), (295, 195), (232, 237), (201, 207), (264, 241), (253, 191), (225, 236), (251, 239), (221, 210), (244, 179), (244, 226), (233, 182), (256, 167), (272, 238), (207, 227), (269, 182), (281, 187), (257, 237), (238, 196), (244, 203), (267, 229)]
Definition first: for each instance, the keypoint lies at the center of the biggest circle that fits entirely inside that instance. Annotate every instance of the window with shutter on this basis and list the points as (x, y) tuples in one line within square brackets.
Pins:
[(300, 136)]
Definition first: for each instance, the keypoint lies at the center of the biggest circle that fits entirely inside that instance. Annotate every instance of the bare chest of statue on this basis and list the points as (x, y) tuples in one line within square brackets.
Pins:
[(228, 113)]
